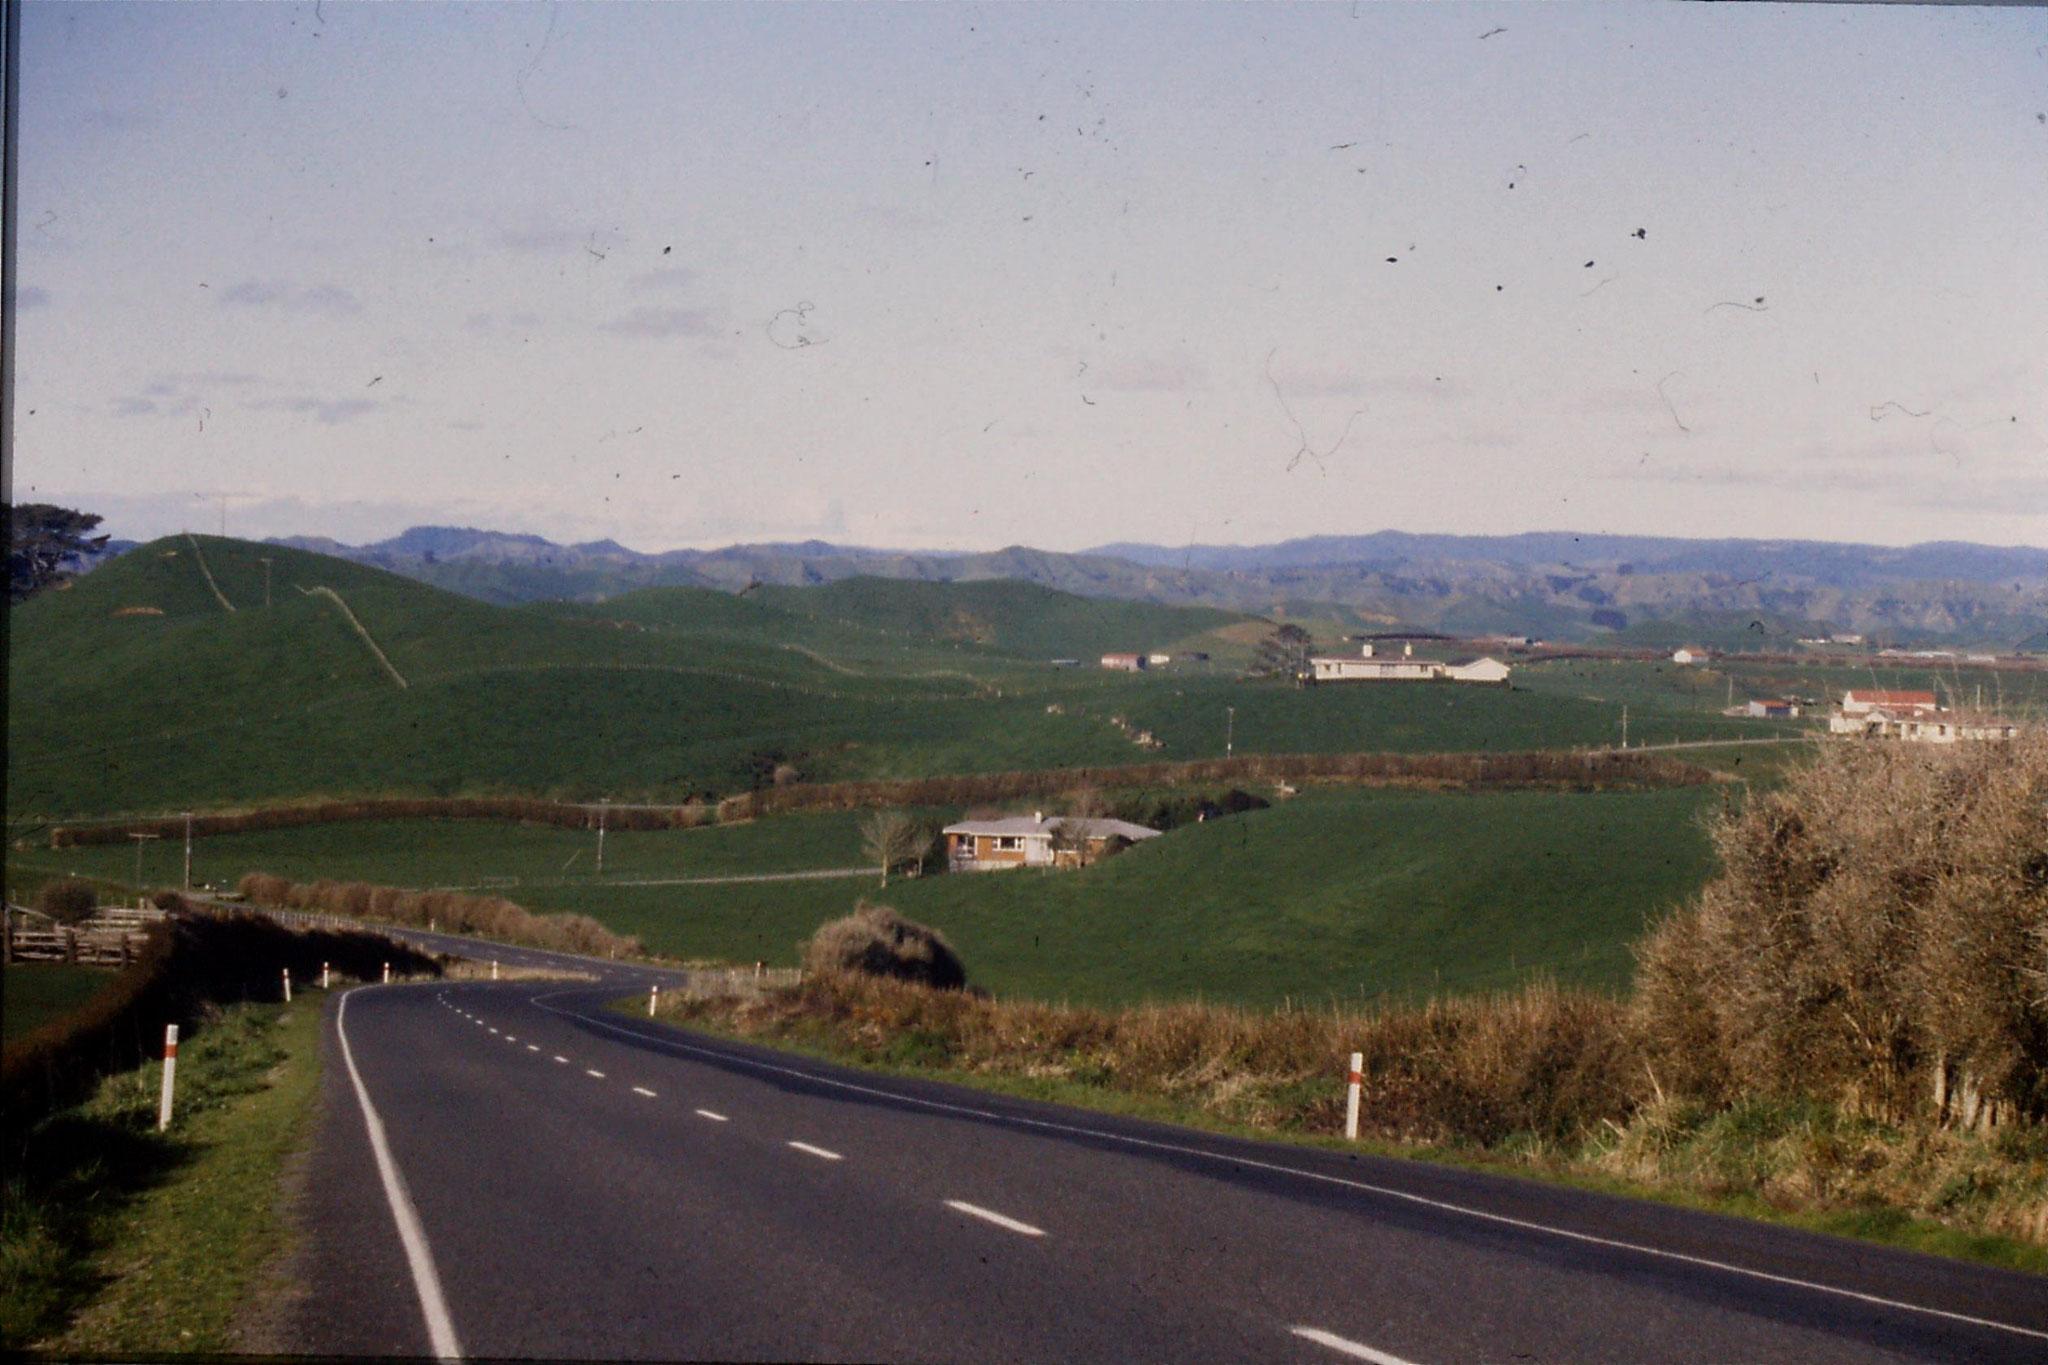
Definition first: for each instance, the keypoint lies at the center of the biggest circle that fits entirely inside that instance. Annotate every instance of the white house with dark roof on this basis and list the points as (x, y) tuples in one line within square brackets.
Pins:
[(1029, 841)]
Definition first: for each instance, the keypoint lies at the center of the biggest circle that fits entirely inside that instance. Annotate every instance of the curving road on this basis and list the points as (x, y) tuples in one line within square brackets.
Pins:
[(551, 1178)]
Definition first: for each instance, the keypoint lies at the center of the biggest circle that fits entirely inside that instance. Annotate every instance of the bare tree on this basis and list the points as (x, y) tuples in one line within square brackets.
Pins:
[(889, 839), (1070, 836)]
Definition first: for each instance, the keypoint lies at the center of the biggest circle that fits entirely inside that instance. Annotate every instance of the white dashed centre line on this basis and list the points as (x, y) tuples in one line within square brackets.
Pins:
[(715, 1118), (991, 1216), (819, 1152), (1355, 1349), (533, 1047), (510, 1039), (598, 1074), (494, 1030), (560, 1058), (643, 1090)]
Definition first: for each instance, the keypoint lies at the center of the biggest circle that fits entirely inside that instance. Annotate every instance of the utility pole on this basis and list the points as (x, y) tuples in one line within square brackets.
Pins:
[(1229, 730), (266, 580), (140, 839), (1624, 725), (188, 850)]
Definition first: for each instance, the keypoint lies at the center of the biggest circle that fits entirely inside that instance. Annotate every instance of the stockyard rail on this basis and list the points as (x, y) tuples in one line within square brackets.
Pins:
[(111, 938)]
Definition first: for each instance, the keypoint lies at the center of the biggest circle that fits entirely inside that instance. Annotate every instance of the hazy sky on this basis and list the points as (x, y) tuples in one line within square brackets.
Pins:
[(954, 276)]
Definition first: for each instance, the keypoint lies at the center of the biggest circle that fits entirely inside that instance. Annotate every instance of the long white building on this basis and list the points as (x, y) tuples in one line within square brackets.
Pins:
[(1405, 667)]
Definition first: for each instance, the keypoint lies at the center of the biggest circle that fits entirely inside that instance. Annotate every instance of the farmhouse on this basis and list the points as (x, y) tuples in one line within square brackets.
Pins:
[(1690, 654), (1029, 841), (1771, 707), (1914, 717), (1126, 663), (1405, 667)]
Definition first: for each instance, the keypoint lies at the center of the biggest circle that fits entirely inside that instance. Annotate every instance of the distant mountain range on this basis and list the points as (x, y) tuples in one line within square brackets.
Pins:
[(1555, 585)]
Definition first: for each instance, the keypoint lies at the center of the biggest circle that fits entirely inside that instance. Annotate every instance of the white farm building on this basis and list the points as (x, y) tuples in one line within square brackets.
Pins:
[(1405, 667)]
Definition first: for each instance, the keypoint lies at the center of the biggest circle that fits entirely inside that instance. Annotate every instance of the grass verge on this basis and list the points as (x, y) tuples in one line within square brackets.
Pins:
[(118, 1240), (1796, 1165)]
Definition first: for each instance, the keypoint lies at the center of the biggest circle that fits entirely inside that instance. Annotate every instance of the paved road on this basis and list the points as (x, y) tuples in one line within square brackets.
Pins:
[(581, 1183)]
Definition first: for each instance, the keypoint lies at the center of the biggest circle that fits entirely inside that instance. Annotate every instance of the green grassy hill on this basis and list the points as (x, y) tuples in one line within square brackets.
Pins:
[(170, 679), (173, 677), (1338, 892)]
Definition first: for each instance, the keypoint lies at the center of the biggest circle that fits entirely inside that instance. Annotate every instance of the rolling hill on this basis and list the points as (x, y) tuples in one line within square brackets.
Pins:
[(201, 670)]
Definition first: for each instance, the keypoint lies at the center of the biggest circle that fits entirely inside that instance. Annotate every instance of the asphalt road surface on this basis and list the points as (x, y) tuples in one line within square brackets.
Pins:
[(514, 1169)]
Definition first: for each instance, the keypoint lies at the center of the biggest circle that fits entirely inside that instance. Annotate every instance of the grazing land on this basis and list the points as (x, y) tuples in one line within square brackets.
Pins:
[(1339, 892), (138, 689)]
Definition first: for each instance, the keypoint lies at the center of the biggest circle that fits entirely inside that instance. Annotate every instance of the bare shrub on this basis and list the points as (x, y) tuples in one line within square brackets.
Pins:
[(876, 941), (1872, 940), (68, 900)]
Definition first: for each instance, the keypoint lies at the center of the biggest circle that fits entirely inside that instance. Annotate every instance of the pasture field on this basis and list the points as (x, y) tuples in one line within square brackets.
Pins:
[(139, 689), (1698, 692), (34, 993), (1339, 892)]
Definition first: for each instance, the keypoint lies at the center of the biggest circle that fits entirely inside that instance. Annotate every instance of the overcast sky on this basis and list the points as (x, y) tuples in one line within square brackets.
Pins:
[(952, 276)]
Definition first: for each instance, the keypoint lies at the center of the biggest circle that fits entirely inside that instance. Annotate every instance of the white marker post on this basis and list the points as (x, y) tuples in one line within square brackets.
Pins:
[(1353, 1079), (287, 985), (494, 969), (387, 973), (323, 976), (653, 999), (163, 1108)]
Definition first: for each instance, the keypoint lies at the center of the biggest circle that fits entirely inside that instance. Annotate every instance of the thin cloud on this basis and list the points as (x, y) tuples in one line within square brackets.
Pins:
[(662, 322), (330, 412), (280, 294)]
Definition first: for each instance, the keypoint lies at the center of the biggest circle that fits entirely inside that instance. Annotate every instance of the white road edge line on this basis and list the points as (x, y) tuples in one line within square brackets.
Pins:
[(817, 1151), (419, 1257), (1181, 1149), (715, 1118), (1357, 1350), (643, 1090), (991, 1216)]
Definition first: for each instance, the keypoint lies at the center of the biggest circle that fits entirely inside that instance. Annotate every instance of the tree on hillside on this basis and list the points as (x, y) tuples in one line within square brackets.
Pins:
[(890, 839), (1284, 654), (45, 542)]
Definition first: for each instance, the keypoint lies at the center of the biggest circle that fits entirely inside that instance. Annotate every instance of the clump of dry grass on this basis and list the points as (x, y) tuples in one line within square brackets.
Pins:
[(876, 941), (491, 917), (1541, 1060), (1875, 940)]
